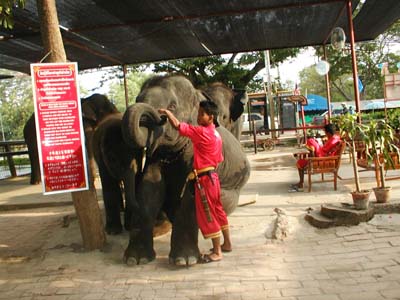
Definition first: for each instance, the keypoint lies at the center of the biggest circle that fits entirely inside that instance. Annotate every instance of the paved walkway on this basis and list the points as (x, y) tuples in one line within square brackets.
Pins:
[(41, 257)]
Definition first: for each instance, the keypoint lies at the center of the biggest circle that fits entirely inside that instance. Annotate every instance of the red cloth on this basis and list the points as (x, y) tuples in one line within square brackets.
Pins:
[(207, 144), (330, 148), (218, 216), (207, 151)]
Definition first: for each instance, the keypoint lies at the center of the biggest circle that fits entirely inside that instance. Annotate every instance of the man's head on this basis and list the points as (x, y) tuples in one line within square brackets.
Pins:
[(330, 129), (208, 113), (344, 104)]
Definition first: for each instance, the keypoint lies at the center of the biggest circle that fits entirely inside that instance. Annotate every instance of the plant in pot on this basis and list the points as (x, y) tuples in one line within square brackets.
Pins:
[(351, 131), (383, 152)]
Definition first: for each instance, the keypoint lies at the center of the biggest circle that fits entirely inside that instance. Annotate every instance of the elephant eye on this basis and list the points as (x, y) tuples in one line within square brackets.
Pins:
[(171, 106)]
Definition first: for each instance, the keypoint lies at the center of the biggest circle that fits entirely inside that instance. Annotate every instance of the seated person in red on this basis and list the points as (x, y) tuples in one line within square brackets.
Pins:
[(329, 148)]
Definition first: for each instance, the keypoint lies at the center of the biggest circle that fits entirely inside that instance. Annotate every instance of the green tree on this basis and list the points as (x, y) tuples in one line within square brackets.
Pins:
[(16, 104), (314, 83), (134, 82), (237, 70), (369, 56), (6, 12)]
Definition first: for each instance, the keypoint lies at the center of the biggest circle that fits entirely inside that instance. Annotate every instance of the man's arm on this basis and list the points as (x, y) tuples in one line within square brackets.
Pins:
[(171, 118)]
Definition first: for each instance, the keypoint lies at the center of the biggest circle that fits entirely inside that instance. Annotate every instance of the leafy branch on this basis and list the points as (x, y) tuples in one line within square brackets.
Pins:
[(6, 12)]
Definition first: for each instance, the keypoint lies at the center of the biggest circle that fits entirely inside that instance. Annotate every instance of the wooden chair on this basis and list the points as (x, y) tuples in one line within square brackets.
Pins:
[(323, 165)]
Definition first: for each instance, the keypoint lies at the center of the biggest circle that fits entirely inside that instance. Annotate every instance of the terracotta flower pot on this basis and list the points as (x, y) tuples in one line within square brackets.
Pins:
[(382, 195), (361, 199)]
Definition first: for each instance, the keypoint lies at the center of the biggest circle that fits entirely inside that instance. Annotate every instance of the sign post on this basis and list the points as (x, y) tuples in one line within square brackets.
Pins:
[(59, 127)]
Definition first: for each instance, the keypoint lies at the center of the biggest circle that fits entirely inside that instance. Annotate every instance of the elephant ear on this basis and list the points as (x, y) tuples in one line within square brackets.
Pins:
[(238, 103)]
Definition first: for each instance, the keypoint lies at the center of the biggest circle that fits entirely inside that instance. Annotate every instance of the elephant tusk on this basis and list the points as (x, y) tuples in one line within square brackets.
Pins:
[(144, 158)]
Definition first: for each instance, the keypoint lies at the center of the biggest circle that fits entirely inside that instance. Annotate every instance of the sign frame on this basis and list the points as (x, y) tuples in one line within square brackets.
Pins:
[(60, 140)]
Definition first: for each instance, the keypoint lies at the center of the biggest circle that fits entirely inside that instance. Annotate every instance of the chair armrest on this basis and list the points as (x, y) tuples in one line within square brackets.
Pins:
[(302, 155)]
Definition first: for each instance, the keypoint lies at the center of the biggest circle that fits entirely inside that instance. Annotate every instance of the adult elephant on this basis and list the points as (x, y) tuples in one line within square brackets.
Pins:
[(94, 109), (231, 105), (169, 160)]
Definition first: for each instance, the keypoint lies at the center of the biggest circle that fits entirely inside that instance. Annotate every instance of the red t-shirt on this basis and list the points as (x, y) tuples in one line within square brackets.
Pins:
[(207, 144)]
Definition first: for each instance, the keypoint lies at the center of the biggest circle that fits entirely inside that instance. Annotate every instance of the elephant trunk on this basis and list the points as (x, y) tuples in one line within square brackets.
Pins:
[(142, 126)]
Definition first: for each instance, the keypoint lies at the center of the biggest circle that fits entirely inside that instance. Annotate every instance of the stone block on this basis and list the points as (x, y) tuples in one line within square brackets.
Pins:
[(346, 215), (316, 219)]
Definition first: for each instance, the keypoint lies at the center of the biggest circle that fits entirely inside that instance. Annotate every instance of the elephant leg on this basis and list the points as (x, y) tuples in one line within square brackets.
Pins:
[(112, 197), (131, 205), (184, 239), (35, 166), (150, 195), (31, 142)]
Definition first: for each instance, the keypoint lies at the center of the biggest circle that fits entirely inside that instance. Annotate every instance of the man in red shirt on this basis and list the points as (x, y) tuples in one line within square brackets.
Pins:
[(329, 148), (207, 154)]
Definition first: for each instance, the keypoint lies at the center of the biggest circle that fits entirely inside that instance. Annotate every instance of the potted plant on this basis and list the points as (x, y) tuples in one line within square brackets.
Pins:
[(379, 135), (351, 130)]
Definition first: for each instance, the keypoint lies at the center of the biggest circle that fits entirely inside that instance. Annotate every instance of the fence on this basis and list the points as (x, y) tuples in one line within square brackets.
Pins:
[(10, 166)]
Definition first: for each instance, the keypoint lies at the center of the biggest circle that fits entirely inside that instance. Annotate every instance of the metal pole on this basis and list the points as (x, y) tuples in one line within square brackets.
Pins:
[(2, 128), (353, 57), (328, 87), (303, 120), (270, 97), (125, 87)]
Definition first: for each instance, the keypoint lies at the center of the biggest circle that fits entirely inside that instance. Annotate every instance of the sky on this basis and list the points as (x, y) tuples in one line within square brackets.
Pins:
[(289, 70)]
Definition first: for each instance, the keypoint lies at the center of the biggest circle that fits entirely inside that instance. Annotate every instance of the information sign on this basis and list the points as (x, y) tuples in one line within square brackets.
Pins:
[(59, 127)]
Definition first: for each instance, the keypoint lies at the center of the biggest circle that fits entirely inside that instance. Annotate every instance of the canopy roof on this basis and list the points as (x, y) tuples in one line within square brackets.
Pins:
[(316, 102), (100, 33)]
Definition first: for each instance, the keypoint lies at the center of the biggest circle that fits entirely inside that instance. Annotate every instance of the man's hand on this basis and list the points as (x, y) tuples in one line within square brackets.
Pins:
[(172, 119)]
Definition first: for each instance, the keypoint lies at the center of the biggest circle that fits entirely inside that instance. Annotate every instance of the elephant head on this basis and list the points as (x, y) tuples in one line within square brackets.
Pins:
[(94, 109), (231, 105), (142, 125)]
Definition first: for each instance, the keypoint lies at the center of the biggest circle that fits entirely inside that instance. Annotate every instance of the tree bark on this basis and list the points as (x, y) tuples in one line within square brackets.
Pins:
[(50, 31), (85, 202)]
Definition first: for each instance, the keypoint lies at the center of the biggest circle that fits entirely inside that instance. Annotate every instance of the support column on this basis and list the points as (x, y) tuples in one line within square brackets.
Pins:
[(125, 87), (353, 58), (85, 202), (270, 97), (328, 87)]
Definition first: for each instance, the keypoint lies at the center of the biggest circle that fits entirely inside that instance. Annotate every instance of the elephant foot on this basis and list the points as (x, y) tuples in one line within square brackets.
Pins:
[(184, 261), (113, 229), (138, 256), (132, 261)]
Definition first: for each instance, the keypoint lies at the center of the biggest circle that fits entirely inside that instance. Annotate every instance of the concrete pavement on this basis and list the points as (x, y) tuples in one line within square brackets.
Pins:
[(40, 259)]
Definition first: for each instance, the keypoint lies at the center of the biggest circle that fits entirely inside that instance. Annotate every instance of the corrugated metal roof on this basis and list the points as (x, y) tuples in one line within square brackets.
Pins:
[(103, 33)]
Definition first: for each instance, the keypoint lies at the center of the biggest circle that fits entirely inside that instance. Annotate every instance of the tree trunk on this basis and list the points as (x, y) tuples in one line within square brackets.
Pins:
[(86, 205), (355, 167), (50, 31)]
